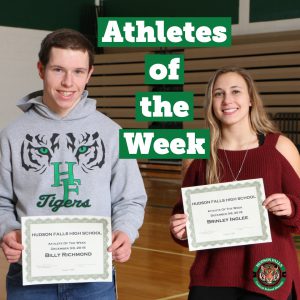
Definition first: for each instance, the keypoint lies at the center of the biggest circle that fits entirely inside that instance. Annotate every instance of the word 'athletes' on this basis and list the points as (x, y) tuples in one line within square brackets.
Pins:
[(167, 32)]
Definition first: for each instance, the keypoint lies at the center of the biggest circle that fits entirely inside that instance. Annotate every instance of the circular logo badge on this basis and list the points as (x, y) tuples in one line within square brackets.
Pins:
[(269, 274)]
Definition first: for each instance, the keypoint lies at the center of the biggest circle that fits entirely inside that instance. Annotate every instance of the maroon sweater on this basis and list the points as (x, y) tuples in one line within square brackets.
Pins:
[(233, 266)]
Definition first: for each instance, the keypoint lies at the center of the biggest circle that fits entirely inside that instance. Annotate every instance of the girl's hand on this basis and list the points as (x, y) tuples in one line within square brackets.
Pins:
[(278, 204), (178, 226)]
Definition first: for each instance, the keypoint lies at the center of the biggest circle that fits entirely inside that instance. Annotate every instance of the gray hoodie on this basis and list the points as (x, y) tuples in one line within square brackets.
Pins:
[(67, 166)]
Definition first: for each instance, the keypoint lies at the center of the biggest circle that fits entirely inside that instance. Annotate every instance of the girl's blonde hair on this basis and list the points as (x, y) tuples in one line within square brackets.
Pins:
[(259, 120)]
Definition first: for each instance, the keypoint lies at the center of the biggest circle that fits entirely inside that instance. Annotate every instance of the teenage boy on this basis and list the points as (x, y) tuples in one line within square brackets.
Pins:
[(61, 158)]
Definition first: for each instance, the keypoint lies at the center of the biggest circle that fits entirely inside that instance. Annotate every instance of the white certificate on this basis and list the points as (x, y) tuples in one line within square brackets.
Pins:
[(226, 214), (66, 249)]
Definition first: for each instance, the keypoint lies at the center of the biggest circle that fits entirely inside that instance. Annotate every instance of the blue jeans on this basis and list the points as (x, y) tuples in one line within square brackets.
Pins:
[(63, 291)]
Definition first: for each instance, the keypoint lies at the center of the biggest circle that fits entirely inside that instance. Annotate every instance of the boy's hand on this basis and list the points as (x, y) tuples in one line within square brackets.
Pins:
[(11, 246), (120, 247)]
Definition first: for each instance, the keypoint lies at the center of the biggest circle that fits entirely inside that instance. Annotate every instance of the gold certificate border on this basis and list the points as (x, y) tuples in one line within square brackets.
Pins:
[(223, 243), (85, 277)]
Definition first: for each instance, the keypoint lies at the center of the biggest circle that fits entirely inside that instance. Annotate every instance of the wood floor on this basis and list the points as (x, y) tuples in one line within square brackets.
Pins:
[(158, 268)]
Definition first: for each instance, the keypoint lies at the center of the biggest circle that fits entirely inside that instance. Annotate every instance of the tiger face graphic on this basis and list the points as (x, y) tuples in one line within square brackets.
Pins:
[(88, 150), (269, 274), (37, 152)]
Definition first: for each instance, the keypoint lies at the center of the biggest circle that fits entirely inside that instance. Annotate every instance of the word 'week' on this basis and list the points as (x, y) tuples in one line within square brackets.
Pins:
[(169, 143)]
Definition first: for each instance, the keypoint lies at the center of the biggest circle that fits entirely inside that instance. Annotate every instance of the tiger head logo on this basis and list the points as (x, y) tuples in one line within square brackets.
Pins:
[(37, 152), (269, 274)]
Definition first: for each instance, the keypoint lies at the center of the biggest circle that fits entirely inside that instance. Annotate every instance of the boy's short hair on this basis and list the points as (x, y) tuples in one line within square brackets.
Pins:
[(65, 39)]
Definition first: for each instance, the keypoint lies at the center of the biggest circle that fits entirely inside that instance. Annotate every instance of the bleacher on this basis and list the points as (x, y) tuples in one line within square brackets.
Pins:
[(272, 59)]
